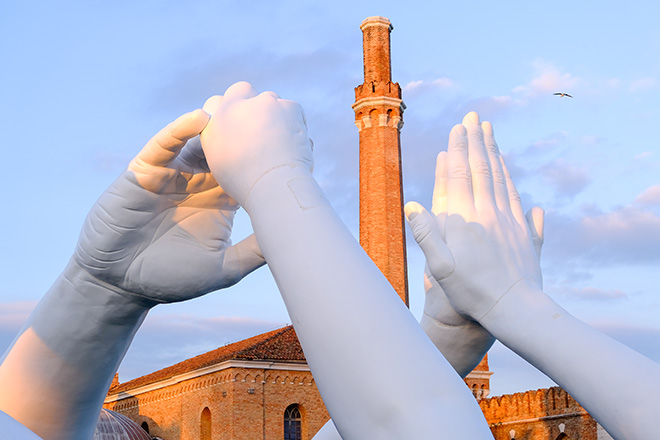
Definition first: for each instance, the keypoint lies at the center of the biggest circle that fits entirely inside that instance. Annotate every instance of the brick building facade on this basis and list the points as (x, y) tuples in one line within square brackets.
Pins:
[(262, 388), (241, 391), (249, 389)]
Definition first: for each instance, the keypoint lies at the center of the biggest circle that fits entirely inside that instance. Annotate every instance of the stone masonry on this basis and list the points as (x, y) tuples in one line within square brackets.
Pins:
[(378, 116)]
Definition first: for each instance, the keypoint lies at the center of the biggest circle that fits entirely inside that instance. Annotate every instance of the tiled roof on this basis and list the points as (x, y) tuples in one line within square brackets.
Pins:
[(277, 345)]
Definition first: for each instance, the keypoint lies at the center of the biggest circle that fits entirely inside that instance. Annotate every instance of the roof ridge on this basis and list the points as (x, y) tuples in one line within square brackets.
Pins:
[(214, 356), (264, 341)]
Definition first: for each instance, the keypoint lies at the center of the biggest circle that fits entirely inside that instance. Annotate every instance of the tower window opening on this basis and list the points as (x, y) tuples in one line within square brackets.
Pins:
[(292, 423), (205, 425)]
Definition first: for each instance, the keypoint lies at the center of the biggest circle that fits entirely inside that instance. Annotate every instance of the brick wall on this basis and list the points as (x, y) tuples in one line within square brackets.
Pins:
[(538, 415), (245, 404), (378, 116)]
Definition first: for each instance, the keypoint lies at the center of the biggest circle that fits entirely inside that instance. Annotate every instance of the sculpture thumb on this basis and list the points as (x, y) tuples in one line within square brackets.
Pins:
[(212, 104), (429, 238), (535, 221)]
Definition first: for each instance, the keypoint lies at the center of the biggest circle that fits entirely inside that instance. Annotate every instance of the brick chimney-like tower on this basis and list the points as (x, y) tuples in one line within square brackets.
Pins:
[(378, 116)]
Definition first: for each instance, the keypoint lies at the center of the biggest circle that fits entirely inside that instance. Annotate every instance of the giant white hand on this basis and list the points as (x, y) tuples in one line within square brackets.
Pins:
[(480, 244), (160, 233), (162, 230), (462, 342), (252, 134)]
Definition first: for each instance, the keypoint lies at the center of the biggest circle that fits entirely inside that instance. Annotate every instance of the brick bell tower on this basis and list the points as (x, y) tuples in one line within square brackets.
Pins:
[(379, 118)]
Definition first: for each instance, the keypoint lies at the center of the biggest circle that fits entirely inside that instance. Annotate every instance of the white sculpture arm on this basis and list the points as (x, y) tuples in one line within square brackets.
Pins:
[(485, 261), (379, 375), (462, 341), (160, 233)]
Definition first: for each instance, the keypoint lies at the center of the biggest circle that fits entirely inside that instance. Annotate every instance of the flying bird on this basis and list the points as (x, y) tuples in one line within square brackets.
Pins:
[(561, 95)]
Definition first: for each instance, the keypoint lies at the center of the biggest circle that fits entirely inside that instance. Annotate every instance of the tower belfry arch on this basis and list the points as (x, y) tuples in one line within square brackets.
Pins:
[(379, 118)]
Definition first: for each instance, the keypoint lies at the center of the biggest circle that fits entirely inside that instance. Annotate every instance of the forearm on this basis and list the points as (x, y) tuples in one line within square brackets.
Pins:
[(56, 374), (614, 383), (356, 332)]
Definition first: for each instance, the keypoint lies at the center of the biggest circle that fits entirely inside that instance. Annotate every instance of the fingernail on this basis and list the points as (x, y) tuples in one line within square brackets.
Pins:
[(471, 118), (487, 127), (460, 130), (411, 209)]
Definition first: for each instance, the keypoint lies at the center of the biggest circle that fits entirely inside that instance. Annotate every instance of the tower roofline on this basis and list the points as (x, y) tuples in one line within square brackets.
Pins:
[(376, 20)]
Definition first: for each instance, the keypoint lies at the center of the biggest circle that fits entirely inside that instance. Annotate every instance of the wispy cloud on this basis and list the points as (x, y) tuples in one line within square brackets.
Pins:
[(547, 79), (586, 293), (650, 196), (419, 86), (12, 317), (14, 314), (164, 340), (643, 155), (645, 340), (643, 84), (628, 234), (566, 178)]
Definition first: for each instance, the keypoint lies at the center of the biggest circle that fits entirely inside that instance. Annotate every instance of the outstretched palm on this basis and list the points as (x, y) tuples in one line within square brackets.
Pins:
[(162, 229)]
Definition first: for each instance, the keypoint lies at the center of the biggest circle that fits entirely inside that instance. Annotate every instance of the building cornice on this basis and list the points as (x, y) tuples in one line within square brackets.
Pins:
[(256, 365), (376, 21), (479, 375), (379, 101)]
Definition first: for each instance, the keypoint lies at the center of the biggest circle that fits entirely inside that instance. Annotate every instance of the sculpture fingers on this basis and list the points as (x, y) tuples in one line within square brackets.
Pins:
[(439, 204), (428, 235), (515, 202), (241, 259), (212, 104), (192, 157), (165, 146), (535, 220), (499, 180), (239, 90), (460, 197), (480, 170), (251, 135)]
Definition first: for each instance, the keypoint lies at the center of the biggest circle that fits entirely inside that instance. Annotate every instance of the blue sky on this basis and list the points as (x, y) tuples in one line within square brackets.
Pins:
[(85, 84)]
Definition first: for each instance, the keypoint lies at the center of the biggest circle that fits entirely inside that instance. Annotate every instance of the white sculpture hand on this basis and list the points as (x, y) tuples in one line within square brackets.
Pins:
[(244, 138), (162, 230), (480, 244)]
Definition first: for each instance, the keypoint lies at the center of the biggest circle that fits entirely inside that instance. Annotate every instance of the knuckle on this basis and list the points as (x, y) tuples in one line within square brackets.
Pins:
[(492, 148), (498, 177), (482, 169), (459, 145), (460, 173), (421, 231)]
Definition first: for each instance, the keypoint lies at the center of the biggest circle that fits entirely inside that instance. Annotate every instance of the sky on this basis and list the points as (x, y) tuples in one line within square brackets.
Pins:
[(83, 85)]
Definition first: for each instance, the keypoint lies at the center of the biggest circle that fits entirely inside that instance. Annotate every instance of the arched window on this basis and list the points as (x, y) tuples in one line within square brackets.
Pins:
[(292, 423), (145, 426), (205, 425)]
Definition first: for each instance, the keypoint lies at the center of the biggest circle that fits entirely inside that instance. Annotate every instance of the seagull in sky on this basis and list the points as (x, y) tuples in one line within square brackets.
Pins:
[(561, 95)]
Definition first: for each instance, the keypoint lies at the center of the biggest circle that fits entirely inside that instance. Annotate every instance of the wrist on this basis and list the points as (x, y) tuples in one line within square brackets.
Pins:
[(77, 278), (81, 311), (285, 188), (523, 307)]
